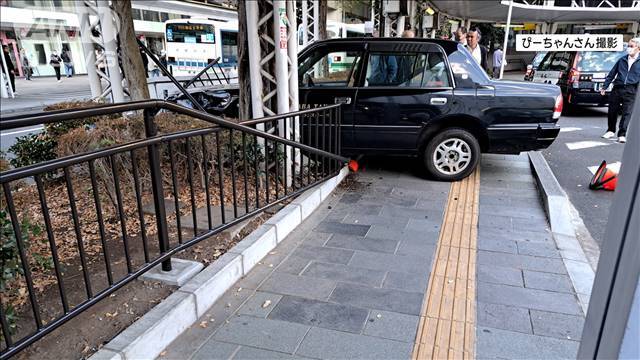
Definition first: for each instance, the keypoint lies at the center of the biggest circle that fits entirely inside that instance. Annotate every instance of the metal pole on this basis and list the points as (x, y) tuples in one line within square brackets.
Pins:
[(282, 72), (305, 23), (400, 26), (254, 59), (506, 39), (110, 40), (316, 16), (5, 71), (87, 47), (293, 73), (150, 130)]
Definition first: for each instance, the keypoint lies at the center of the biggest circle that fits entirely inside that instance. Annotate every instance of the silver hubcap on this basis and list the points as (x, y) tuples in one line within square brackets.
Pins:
[(452, 156)]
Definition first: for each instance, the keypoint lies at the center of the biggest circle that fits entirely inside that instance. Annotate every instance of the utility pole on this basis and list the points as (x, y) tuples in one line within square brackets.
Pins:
[(506, 39)]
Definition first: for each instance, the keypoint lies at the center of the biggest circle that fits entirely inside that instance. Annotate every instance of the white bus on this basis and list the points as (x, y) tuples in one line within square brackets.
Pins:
[(191, 44)]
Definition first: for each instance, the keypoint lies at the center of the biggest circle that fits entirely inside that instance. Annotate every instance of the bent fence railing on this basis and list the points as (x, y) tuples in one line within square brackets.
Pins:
[(111, 214)]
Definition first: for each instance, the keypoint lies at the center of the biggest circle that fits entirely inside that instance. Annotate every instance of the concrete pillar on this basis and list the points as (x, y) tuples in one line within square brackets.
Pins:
[(554, 27), (110, 42), (400, 26), (88, 49), (545, 28), (634, 27)]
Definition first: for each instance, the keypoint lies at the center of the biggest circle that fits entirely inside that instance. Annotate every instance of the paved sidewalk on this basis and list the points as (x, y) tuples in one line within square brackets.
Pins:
[(348, 283), (526, 304), (351, 281)]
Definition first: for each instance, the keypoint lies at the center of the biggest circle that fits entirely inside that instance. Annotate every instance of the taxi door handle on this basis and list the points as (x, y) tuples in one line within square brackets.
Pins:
[(438, 101), (342, 100)]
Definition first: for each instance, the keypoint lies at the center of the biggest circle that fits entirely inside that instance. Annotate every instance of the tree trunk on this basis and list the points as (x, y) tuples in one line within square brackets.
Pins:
[(244, 83), (132, 64)]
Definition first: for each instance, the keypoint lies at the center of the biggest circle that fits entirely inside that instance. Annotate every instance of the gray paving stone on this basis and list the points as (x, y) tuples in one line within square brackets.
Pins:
[(399, 223), (395, 233), (406, 281), (496, 244), (251, 353), (495, 343), (504, 317), (331, 344), (366, 209), (286, 284), (547, 281), (340, 228), (262, 333), (376, 298), (500, 275), (344, 273), (494, 221), (532, 211), (437, 202), (538, 249), (390, 262), (320, 313), (390, 200), (528, 298), (419, 247), (411, 213), (561, 326), (529, 224), (350, 198), (391, 325), (324, 254), (432, 224), (293, 265), (504, 200), (362, 243), (256, 276), (524, 262), (254, 305), (532, 236), (316, 238), (215, 350)]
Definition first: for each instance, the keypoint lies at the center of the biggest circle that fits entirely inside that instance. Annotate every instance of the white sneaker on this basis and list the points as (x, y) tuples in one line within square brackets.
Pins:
[(622, 139), (608, 135), (59, 81)]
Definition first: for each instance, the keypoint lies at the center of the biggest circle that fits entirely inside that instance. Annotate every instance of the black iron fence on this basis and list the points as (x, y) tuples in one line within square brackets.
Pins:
[(129, 207)]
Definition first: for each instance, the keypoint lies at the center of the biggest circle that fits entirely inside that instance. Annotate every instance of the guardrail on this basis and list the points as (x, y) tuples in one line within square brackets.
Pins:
[(258, 168)]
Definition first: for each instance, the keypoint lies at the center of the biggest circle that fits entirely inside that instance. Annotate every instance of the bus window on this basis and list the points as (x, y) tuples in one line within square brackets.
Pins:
[(229, 46), (190, 33)]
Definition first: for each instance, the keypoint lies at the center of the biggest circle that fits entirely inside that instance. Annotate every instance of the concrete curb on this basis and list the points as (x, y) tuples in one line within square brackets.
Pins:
[(154, 331), (558, 210)]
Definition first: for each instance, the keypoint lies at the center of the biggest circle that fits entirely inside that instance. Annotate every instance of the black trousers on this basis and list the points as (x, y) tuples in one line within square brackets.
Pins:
[(621, 97), (57, 70), (12, 80)]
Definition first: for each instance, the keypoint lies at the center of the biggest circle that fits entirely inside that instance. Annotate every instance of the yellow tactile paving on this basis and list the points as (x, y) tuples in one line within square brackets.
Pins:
[(447, 323)]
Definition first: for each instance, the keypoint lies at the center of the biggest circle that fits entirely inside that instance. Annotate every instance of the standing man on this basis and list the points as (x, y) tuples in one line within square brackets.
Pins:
[(478, 51), (68, 62), (461, 35), (497, 62), (26, 64), (625, 76), (10, 67)]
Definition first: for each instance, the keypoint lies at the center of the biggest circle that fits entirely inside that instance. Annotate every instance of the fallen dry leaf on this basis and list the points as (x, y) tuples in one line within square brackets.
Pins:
[(266, 303), (203, 324)]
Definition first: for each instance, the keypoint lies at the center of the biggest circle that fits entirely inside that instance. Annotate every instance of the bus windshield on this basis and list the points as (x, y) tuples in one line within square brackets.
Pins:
[(190, 33)]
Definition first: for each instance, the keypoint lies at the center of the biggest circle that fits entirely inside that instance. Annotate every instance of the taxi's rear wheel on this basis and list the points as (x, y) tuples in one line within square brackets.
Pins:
[(452, 154)]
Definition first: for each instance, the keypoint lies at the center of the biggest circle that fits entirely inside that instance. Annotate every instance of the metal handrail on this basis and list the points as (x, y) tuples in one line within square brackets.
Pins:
[(319, 164)]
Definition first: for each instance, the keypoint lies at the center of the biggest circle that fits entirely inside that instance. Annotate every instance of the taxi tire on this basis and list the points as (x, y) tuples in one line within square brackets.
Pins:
[(450, 133)]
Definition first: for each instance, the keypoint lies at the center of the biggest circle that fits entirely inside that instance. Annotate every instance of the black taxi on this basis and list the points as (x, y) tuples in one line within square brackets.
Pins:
[(426, 98)]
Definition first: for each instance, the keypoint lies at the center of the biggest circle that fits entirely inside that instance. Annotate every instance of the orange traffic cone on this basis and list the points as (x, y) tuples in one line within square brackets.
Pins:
[(604, 178)]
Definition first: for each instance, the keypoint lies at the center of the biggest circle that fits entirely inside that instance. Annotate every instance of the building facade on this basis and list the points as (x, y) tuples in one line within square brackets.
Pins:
[(43, 26)]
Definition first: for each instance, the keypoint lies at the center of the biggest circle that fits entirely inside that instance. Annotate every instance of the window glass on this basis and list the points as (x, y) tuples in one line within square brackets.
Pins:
[(555, 61), (229, 46), (190, 33), (136, 14), (598, 60), (164, 16), (148, 15), (407, 70), (40, 54), (333, 69), (466, 71)]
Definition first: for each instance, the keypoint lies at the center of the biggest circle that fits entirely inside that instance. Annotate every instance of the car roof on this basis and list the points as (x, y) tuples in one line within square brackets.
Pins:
[(448, 45)]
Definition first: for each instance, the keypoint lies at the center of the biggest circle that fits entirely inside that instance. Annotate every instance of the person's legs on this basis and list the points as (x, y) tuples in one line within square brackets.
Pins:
[(12, 79), (57, 70), (614, 107), (628, 97)]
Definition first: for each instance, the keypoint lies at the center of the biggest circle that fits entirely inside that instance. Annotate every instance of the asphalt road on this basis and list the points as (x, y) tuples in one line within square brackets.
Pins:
[(570, 157)]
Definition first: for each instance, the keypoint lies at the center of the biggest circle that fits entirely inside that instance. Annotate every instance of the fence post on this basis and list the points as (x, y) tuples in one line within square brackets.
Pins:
[(150, 130)]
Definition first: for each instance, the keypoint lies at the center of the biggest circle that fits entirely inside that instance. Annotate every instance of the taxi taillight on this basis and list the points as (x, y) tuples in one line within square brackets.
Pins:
[(557, 110)]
